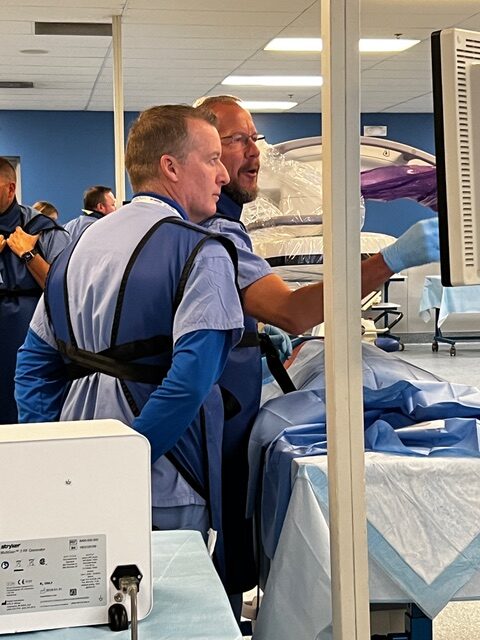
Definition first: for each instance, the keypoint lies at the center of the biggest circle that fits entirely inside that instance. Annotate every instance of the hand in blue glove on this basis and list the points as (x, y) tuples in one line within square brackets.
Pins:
[(281, 341), (418, 245)]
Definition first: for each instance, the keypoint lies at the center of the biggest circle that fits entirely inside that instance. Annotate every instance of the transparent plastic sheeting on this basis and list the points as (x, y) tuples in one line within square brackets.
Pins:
[(285, 221), (290, 197), (299, 260)]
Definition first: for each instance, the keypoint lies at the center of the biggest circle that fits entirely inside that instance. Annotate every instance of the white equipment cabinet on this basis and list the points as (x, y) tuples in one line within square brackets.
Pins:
[(75, 504)]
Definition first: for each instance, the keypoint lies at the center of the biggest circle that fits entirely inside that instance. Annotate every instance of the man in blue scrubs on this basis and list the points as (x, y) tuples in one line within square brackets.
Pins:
[(242, 374), (98, 201), (29, 242), (267, 301), (139, 317)]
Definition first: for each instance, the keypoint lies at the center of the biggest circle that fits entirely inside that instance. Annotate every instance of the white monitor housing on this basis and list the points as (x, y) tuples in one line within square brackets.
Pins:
[(456, 94)]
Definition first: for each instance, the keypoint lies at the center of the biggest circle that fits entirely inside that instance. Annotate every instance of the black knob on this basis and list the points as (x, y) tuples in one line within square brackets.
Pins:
[(117, 617)]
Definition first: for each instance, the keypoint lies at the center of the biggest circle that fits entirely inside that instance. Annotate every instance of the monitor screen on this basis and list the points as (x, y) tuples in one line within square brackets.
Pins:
[(456, 102)]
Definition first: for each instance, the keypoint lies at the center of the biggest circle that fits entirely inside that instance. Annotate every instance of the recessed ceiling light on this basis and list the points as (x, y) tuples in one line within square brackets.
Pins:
[(366, 45), (73, 29), (33, 52), (14, 84), (268, 105), (274, 81)]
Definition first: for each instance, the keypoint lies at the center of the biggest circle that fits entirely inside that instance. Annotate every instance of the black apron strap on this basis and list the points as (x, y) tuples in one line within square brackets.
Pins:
[(249, 339), (84, 363), (275, 364)]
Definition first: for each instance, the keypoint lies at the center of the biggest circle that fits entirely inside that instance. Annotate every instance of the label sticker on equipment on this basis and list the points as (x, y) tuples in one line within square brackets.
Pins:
[(52, 573)]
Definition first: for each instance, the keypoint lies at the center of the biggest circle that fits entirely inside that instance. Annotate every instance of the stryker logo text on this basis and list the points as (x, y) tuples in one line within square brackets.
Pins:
[(10, 546)]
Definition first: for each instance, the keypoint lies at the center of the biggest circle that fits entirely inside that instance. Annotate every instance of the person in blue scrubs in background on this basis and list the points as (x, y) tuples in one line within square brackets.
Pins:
[(47, 208), (98, 201), (29, 242)]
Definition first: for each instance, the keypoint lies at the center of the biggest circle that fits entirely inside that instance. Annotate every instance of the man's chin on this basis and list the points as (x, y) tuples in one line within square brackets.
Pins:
[(238, 195)]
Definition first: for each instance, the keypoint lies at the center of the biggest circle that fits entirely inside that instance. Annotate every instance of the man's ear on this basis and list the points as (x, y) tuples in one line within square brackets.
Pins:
[(169, 167)]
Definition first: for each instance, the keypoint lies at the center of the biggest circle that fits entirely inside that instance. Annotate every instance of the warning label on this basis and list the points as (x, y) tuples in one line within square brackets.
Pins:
[(52, 573)]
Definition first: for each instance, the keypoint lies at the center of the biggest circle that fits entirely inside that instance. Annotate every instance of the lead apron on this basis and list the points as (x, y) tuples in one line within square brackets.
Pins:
[(140, 359), (241, 384), (19, 295)]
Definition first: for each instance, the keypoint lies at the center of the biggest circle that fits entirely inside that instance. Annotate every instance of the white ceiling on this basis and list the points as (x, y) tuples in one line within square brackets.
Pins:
[(177, 50)]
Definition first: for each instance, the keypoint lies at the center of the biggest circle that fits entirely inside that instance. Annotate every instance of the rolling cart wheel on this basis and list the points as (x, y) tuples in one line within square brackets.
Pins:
[(401, 346), (453, 351), (434, 346)]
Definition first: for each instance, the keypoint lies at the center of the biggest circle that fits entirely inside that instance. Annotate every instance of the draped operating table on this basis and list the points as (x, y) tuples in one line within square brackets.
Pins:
[(422, 480)]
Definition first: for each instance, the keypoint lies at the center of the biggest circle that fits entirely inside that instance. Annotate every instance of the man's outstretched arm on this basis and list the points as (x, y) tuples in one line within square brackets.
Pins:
[(270, 300)]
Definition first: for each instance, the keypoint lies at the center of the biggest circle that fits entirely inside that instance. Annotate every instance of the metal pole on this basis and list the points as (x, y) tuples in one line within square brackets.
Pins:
[(118, 109), (341, 203)]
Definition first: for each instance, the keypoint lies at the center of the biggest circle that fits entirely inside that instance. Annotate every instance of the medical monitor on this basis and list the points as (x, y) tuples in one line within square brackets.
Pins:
[(456, 101)]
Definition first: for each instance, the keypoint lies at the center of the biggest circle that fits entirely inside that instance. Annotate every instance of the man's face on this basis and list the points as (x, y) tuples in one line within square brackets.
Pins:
[(109, 205), (201, 173), (7, 193), (241, 158)]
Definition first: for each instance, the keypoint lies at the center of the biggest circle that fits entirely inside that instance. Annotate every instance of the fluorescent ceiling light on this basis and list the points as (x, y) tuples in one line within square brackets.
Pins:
[(367, 45), (268, 105), (294, 44), (274, 81), (372, 45)]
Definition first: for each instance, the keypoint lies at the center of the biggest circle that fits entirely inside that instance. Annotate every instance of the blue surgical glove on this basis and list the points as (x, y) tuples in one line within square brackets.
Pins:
[(281, 341), (418, 245)]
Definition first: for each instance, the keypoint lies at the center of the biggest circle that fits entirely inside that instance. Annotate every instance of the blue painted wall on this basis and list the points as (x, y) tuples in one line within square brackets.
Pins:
[(63, 152)]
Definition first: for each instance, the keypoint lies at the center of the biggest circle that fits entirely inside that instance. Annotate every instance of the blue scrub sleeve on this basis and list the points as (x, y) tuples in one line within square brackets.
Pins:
[(40, 381), (198, 360)]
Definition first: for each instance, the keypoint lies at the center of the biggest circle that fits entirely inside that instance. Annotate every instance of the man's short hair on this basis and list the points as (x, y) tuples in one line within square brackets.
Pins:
[(207, 102), (7, 170), (94, 196), (158, 131)]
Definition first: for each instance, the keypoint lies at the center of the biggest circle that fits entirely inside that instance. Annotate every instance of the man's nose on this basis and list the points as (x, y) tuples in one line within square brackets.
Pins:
[(251, 150), (223, 176)]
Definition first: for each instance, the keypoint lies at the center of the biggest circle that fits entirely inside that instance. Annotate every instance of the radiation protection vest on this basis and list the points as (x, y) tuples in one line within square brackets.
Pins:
[(19, 294), (140, 349)]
